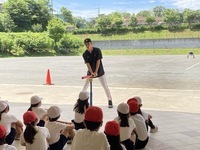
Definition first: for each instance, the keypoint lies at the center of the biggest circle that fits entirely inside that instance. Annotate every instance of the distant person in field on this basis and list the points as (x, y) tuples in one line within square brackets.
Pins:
[(190, 54)]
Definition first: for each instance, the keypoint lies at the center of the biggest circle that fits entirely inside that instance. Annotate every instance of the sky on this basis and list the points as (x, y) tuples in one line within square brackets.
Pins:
[(91, 8)]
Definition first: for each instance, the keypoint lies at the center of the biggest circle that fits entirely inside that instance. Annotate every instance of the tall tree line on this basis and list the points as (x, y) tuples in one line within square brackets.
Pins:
[(34, 15)]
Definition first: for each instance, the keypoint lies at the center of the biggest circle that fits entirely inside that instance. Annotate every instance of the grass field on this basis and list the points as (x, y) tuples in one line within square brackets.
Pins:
[(147, 35), (151, 52), (144, 35)]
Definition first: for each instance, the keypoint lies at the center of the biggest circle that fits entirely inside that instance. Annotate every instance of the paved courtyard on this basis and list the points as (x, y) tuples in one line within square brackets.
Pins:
[(168, 86)]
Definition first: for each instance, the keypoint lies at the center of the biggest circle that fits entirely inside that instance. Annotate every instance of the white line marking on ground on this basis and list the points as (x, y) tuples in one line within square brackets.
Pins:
[(100, 87), (193, 66)]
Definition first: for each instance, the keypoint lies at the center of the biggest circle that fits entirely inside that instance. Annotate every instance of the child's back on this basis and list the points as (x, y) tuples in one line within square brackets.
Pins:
[(90, 138), (141, 130), (127, 126), (59, 132), (34, 137), (79, 110)]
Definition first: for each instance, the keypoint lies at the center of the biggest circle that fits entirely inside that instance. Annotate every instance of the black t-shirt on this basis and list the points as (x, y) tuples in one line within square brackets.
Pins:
[(92, 57)]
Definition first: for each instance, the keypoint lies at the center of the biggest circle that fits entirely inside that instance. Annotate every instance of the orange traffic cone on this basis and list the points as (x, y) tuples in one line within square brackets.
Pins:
[(48, 78)]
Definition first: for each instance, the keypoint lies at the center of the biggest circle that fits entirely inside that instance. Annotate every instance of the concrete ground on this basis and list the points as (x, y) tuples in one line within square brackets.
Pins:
[(168, 86)]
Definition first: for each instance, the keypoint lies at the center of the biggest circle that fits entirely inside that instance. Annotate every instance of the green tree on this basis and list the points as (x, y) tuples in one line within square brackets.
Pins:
[(104, 23), (158, 11), (40, 12), (56, 30), (190, 16), (67, 15), (133, 21), (91, 23), (144, 13), (125, 15), (19, 12), (26, 13), (172, 17), (150, 20), (117, 20), (6, 23), (79, 22)]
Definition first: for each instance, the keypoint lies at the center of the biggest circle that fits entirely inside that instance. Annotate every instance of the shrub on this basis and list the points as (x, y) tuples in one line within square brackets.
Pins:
[(176, 28), (139, 29), (85, 31), (157, 28), (17, 51), (26, 43), (195, 26), (6, 45), (37, 28), (69, 44)]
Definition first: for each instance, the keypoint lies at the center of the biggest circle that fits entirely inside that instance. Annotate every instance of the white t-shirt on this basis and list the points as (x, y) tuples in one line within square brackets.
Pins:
[(89, 140), (125, 132), (40, 112), (140, 126), (40, 139), (7, 120), (78, 117), (54, 128), (7, 147), (145, 115)]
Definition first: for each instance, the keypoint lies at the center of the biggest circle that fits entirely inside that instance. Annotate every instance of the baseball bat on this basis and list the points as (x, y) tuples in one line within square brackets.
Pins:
[(87, 76)]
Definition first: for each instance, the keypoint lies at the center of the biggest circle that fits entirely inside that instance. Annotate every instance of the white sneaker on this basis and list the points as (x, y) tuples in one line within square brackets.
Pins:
[(153, 130)]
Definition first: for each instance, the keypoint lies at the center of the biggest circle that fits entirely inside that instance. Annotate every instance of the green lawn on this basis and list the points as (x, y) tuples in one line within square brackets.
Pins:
[(147, 35), (151, 52), (144, 35)]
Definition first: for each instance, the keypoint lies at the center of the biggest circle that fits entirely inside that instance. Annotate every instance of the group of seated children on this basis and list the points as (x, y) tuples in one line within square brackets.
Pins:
[(43, 130)]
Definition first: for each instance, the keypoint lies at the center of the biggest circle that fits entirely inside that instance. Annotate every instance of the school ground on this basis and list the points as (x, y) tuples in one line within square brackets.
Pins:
[(168, 86)]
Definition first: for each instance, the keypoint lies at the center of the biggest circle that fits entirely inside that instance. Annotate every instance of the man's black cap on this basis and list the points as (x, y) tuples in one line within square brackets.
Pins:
[(87, 40)]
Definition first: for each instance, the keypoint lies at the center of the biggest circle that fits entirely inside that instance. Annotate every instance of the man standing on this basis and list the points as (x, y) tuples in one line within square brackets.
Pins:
[(92, 57)]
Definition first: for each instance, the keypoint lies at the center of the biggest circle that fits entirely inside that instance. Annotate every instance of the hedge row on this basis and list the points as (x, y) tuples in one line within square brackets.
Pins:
[(29, 43), (137, 29)]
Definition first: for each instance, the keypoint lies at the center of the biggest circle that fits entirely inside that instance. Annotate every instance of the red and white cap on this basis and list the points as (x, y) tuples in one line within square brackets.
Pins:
[(139, 101), (133, 105), (132, 99)]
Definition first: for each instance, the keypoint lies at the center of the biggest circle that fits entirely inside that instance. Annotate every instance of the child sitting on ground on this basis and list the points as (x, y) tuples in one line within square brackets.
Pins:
[(60, 132), (112, 131), (127, 126), (34, 137), (36, 103), (14, 127), (147, 117), (141, 131), (3, 145), (79, 110), (90, 138)]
